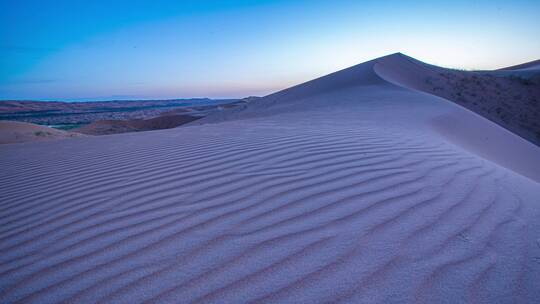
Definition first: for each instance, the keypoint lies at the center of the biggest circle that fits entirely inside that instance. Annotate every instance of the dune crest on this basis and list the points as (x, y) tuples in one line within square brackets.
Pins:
[(462, 127), (341, 189), (510, 97)]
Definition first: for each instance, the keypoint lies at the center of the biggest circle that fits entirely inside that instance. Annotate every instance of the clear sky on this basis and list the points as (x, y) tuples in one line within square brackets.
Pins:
[(126, 49)]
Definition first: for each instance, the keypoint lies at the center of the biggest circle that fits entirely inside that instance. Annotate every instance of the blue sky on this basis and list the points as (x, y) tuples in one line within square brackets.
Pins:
[(93, 50)]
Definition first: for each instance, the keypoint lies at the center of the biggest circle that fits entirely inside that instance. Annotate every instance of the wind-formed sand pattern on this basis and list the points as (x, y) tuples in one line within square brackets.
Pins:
[(346, 189)]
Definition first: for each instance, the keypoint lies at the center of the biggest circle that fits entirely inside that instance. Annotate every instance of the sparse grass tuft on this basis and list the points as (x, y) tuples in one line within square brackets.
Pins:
[(41, 133)]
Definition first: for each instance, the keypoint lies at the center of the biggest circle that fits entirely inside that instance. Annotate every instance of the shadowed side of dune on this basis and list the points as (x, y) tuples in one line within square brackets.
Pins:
[(484, 94), (390, 77), (511, 99)]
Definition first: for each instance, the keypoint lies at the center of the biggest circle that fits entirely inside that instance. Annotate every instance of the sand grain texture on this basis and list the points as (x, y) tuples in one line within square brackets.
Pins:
[(345, 189)]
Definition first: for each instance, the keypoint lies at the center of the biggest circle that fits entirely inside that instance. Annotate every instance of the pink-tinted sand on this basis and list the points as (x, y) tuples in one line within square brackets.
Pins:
[(354, 188)]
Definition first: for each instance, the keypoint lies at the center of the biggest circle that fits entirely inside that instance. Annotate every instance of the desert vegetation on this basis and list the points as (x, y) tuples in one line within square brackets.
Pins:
[(510, 100)]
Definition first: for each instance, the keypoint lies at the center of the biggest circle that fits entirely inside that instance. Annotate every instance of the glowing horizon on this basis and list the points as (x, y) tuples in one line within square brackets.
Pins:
[(75, 50)]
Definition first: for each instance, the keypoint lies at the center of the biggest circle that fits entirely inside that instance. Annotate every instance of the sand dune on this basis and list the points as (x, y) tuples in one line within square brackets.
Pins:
[(19, 132), (351, 188), (510, 98)]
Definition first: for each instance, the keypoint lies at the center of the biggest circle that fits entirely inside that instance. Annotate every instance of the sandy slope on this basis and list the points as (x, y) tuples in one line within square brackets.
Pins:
[(18, 132), (345, 189), (510, 98), (105, 127)]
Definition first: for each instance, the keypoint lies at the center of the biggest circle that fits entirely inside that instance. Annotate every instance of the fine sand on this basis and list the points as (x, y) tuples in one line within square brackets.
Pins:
[(12, 132), (351, 188), (510, 97)]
